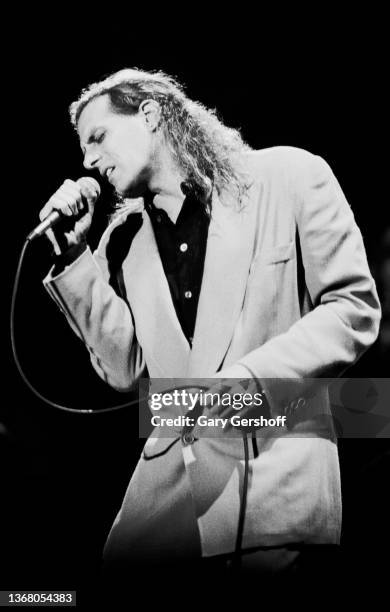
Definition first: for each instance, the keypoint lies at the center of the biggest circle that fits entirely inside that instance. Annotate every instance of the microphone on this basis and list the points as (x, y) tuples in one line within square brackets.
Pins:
[(54, 217)]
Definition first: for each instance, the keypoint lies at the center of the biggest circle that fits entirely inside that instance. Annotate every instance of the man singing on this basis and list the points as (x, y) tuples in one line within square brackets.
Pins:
[(220, 262)]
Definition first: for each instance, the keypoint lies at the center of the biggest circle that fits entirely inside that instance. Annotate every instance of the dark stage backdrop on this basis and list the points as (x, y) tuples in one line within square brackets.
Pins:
[(62, 476)]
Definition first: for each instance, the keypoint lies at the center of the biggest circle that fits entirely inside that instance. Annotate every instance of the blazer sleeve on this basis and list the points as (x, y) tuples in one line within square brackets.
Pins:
[(345, 317), (100, 318)]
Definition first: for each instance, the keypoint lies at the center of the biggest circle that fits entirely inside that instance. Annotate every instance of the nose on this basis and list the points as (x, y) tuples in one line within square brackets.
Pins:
[(91, 158)]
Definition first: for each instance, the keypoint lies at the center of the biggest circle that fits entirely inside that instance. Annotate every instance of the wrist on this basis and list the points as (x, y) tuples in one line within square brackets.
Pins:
[(69, 256)]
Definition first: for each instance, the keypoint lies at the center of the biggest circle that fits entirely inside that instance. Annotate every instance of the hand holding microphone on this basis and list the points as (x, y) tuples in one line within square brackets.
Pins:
[(67, 216)]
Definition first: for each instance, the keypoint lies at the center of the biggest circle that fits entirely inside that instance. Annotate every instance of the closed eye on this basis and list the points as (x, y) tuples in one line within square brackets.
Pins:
[(95, 138), (98, 138)]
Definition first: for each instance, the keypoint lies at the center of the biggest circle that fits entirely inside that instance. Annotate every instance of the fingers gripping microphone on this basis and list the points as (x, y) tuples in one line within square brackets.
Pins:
[(54, 217)]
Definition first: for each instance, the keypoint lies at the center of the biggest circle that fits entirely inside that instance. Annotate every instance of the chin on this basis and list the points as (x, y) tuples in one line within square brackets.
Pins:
[(121, 193)]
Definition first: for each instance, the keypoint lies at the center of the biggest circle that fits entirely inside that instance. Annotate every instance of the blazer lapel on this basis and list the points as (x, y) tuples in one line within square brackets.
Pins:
[(157, 327), (228, 257)]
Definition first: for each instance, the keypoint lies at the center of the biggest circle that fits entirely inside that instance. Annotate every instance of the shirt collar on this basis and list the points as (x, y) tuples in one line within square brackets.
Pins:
[(192, 205)]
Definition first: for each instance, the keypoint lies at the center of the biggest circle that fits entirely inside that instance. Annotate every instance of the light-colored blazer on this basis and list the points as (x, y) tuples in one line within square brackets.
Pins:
[(286, 293)]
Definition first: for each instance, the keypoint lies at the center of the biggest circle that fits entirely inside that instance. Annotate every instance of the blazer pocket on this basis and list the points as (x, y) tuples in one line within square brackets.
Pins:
[(280, 253)]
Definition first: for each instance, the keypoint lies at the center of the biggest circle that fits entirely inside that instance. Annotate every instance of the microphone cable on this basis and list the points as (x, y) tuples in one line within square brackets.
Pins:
[(19, 366), (237, 556)]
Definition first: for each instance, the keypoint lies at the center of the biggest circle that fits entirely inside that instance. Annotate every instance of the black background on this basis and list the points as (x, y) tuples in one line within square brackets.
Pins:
[(319, 86)]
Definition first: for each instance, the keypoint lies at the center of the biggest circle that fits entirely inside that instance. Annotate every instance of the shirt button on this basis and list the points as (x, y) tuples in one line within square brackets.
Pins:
[(183, 247), (158, 219), (188, 294)]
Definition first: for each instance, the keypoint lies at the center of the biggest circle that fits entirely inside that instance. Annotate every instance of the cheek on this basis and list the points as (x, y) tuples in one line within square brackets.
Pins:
[(140, 143), (134, 150)]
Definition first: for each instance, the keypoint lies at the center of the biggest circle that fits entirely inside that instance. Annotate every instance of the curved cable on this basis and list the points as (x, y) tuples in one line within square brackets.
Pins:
[(18, 364), (241, 519)]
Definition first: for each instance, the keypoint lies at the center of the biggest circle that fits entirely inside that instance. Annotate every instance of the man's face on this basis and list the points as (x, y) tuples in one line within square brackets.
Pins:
[(119, 146)]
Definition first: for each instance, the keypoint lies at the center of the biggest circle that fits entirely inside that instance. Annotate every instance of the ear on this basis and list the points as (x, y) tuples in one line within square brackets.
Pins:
[(151, 111)]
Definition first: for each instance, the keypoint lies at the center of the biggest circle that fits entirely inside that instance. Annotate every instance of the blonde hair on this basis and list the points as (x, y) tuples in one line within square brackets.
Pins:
[(208, 152)]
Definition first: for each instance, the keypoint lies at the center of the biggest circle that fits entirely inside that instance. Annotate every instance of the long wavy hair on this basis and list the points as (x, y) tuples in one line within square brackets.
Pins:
[(208, 152)]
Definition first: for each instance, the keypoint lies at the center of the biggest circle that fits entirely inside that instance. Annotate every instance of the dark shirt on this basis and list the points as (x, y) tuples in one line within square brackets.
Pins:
[(182, 248)]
